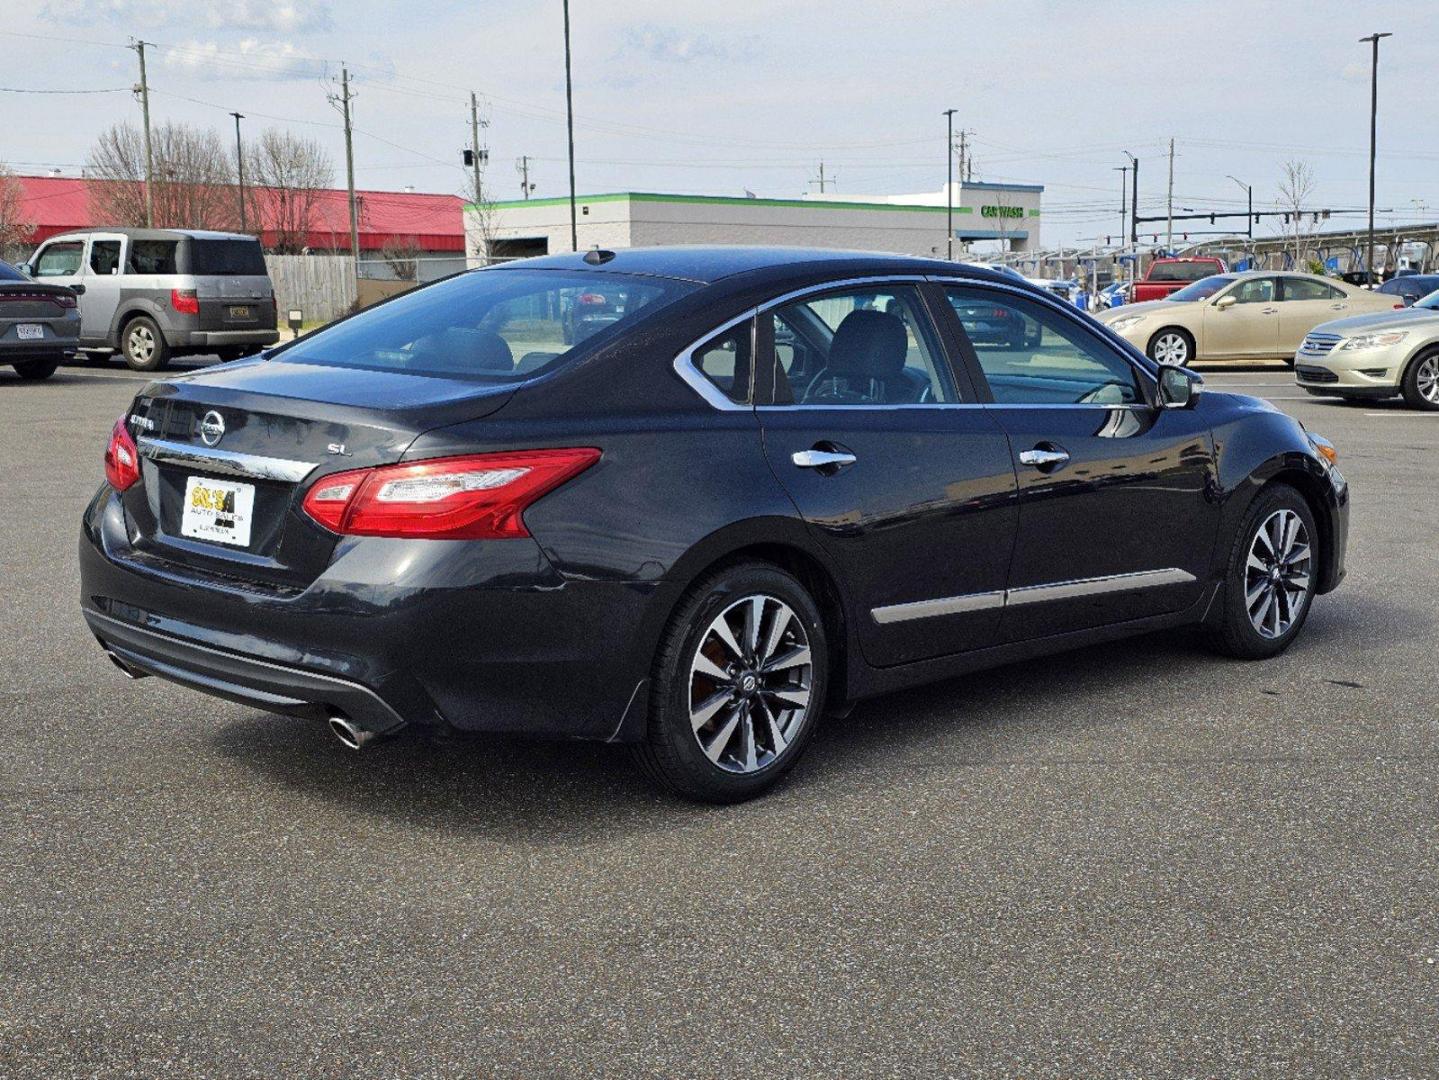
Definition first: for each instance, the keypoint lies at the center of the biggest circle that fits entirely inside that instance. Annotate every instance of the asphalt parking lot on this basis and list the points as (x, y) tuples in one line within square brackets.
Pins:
[(1134, 860)]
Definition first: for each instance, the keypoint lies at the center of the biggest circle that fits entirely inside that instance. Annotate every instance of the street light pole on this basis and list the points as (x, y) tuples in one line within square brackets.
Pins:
[(949, 186), (570, 127), (1373, 39), (240, 167), (1250, 219), (1133, 219)]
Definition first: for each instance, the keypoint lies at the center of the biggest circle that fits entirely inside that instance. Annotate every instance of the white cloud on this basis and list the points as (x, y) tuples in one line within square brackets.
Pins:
[(254, 16), (246, 58)]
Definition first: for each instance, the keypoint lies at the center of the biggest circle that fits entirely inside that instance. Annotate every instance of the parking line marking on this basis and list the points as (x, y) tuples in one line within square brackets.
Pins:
[(1407, 415)]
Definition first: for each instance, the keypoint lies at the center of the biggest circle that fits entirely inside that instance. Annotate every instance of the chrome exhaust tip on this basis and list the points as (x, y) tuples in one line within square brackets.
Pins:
[(349, 733), (126, 669)]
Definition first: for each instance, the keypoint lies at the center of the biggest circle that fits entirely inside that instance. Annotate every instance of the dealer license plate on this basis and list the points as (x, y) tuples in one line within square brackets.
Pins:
[(30, 331), (218, 510)]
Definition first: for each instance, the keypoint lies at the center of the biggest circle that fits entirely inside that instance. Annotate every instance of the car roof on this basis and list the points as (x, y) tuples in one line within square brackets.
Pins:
[(154, 234), (706, 264)]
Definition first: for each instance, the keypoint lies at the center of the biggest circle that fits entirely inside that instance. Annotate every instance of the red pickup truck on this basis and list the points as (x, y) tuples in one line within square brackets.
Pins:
[(1170, 275)]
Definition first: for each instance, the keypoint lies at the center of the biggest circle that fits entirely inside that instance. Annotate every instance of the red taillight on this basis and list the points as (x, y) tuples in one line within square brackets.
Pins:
[(185, 301), (1398, 307), (64, 300), (480, 497), (122, 458), (592, 298)]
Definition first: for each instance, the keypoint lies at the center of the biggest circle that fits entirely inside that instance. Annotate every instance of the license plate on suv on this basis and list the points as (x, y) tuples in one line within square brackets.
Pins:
[(218, 510), (239, 313), (30, 331)]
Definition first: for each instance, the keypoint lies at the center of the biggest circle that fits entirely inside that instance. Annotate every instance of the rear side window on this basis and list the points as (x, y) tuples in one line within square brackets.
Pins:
[(153, 256), (232, 258), (492, 325), (725, 360), (1298, 288), (105, 257)]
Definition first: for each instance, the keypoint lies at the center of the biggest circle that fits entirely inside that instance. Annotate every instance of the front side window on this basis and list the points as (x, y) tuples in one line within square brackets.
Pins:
[(1031, 355), (1258, 290), (60, 260), (1298, 288), (869, 346), (498, 325), (105, 257)]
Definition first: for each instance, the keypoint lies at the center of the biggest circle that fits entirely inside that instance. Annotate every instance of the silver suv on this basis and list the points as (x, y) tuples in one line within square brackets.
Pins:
[(150, 294)]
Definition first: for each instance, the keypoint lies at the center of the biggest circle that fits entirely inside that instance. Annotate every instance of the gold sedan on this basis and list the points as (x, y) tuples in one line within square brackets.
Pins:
[(1242, 318)]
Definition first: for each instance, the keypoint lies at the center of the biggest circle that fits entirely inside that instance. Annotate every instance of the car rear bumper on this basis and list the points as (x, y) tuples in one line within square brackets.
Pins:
[(475, 636), (220, 338)]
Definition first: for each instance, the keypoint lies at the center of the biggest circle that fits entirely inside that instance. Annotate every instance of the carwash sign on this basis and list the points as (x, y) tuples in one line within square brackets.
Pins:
[(1001, 211)]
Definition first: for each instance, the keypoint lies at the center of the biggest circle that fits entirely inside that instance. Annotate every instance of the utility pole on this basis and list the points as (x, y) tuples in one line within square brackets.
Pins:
[(476, 158), (139, 47), (240, 167), (823, 180), (523, 165), (1123, 171), (1250, 218), (963, 154), (1169, 230), (345, 99), (949, 186), (1134, 218), (1373, 136), (570, 125)]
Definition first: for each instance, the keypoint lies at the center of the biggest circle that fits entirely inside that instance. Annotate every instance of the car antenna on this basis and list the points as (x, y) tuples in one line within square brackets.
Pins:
[(596, 256)]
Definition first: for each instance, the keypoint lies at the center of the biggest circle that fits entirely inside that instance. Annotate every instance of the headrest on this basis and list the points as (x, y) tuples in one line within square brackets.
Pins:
[(868, 344)]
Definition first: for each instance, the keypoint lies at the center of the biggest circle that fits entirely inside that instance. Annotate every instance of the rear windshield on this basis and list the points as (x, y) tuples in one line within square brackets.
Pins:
[(1180, 271), (9, 273), (1202, 289), (490, 325), (241, 258)]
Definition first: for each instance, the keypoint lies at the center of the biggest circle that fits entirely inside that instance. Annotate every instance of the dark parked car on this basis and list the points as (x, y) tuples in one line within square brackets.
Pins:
[(782, 482), (39, 324), (1410, 287)]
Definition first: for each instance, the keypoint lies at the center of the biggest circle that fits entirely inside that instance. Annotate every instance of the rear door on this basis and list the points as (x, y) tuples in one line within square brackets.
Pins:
[(905, 482), (1248, 328), (1115, 516), (1303, 304), (103, 267), (231, 282)]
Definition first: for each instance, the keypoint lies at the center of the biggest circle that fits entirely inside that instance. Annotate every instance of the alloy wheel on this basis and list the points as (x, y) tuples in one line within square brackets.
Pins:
[(1276, 574), (142, 343), (1171, 348), (1427, 379), (750, 684)]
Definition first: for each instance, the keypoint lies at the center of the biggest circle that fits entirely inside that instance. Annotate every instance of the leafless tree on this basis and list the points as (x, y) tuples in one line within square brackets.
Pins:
[(403, 256), (1296, 187), (15, 226), (480, 216), (288, 173), (193, 185)]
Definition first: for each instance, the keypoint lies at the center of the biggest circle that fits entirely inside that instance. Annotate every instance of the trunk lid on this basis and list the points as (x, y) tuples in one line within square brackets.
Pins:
[(238, 446)]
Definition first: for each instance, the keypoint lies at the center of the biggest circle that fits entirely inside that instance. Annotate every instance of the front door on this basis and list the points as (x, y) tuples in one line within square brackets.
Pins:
[(1115, 516), (1247, 328), (1304, 303), (103, 269), (909, 489)]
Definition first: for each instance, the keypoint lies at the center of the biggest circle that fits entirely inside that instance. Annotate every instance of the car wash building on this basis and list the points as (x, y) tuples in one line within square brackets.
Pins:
[(988, 218)]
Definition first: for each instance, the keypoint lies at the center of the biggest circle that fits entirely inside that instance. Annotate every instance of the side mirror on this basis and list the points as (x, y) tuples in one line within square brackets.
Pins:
[(1224, 303), (77, 289), (1179, 387)]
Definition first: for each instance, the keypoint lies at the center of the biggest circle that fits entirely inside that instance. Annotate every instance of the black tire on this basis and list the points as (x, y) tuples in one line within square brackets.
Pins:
[(36, 370), (1236, 633), (1418, 378), (671, 752), (143, 346), (1159, 341)]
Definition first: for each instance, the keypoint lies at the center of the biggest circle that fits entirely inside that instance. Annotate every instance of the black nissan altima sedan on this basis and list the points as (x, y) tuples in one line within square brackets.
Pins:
[(775, 483)]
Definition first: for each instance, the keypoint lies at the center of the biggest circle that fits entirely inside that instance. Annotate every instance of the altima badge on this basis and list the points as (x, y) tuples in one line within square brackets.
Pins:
[(212, 428)]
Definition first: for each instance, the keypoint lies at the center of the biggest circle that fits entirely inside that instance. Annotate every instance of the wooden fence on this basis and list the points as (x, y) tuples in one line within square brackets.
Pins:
[(322, 286)]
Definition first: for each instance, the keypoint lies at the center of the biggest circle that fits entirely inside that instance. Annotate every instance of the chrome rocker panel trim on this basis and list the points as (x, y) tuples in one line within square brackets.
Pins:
[(1031, 594)]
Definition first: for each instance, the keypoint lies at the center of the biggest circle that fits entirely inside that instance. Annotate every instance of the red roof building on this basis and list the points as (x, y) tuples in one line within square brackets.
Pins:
[(432, 223)]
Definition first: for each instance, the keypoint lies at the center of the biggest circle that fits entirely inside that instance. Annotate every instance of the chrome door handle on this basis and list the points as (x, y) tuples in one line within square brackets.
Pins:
[(1042, 459), (1268, 310), (819, 459), (1337, 307)]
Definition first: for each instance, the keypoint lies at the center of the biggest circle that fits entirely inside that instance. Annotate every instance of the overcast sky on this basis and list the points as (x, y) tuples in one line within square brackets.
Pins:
[(713, 97)]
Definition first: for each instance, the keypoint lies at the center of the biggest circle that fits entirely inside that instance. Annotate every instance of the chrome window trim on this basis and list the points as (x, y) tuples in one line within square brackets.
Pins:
[(227, 462), (1031, 594)]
